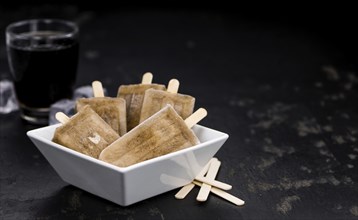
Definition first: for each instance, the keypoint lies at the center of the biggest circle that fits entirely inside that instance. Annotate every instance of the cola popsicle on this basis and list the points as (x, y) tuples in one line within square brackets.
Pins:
[(154, 100), (85, 132), (111, 110), (134, 95), (162, 133)]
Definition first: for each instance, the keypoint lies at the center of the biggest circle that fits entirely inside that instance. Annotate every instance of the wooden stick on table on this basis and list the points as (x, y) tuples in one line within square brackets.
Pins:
[(205, 188), (224, 195), (184, 191)]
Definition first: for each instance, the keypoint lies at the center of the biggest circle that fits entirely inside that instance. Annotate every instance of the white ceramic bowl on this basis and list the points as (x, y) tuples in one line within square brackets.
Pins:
[(132, 184)]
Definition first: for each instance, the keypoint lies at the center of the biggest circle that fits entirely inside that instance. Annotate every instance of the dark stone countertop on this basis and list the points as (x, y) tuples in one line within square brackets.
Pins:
[(286, 94)]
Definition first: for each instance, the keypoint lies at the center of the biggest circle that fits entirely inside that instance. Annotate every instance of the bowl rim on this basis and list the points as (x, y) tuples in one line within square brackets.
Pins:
[(33, 134)]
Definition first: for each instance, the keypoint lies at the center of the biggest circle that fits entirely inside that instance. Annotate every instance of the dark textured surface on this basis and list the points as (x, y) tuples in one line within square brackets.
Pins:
[(286, 94)]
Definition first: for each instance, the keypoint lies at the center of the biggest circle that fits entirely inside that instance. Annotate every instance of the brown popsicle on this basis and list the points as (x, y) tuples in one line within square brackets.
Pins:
[(134, 95), (111, 110), (154, 100), (85, 132), (162, 133)]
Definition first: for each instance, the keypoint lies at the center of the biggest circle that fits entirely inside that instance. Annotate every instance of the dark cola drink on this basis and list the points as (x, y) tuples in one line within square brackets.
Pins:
[(44, 74), (43, 59)]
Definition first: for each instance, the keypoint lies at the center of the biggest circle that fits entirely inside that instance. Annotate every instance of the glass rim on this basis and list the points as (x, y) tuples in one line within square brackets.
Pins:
[(68, 34)]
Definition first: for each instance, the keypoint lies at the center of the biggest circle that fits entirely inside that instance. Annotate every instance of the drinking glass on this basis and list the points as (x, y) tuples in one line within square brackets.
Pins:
[(43, 58)]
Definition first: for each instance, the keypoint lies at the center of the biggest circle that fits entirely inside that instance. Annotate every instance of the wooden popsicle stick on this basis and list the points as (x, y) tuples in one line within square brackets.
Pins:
[(97, 89), (187, 188), (183, 192), (197, 116), (206, 168), (223, 195), (147, 78), (173, 86), (205, 188), (217, 184), (61, 117)]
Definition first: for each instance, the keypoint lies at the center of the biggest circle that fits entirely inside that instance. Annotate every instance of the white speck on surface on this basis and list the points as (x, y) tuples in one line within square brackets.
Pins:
[(120, 211), (91, 54), (85, 17), (155, 211), (268, 140), (288, 184), (251, 187), (242, 102), (250, 114), (320, 144), (351, 138), (308, 126), (347, 180), (74, 201), (328, 179), (264, 186), (348, 86), (352, 78), (266, 124), (334, 97), (322, 180), (285, 204), (345, 115), (338, 207), (274, 115), (333, 180), (338, 139), (325, 153), (291, 150), (303, 168), (285, 184), (265, 87), (278, 151), (329, 171), (350, 166), (232, 172), (265, 163), (327, 128), (252, 131), (274, 150), (354, 210), (353, 131), (331, 73), (352, 156), (319, 84)]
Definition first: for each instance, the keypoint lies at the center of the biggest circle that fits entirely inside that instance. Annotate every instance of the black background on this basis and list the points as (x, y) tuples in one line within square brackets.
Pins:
[(279, 79)]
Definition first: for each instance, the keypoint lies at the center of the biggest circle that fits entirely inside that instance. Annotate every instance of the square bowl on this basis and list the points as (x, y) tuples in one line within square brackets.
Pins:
[(128, 185)]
